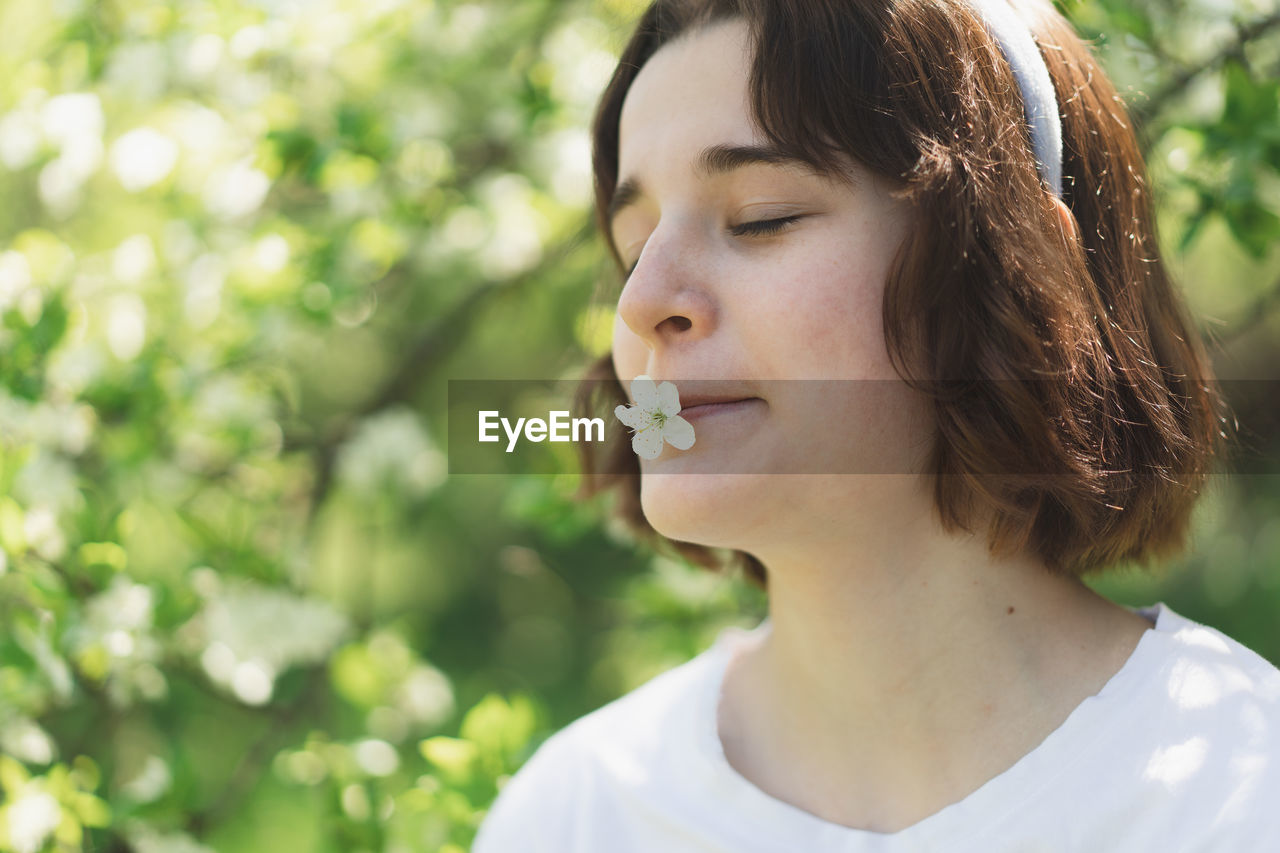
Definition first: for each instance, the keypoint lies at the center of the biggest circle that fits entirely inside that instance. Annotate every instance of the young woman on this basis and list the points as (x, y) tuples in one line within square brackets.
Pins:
[(936, 208)]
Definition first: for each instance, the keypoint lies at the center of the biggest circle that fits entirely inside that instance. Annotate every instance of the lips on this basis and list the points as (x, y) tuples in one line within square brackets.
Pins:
[(693, 401), (697, 413), (717, 407)]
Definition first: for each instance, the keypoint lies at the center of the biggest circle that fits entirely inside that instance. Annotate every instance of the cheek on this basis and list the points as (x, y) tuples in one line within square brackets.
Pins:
[(832, 321)]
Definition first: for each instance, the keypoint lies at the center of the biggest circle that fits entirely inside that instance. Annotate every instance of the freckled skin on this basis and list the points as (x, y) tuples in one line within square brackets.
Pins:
[(804, 303)]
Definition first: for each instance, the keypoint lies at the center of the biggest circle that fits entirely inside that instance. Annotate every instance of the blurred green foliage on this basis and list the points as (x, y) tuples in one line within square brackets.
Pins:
[(244, 246)]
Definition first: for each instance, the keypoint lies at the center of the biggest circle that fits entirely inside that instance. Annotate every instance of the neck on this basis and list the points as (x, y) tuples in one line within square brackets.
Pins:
[(907, 657)]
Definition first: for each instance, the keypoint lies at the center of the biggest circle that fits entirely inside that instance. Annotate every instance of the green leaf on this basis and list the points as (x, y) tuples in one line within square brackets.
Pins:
[(500, 728), (456, 757), (13, 776)]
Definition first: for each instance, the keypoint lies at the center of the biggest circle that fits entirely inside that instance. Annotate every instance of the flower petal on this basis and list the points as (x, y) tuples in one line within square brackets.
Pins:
[(633, 416), (668, 398), (647, 443), (644, 392), (678, 432)]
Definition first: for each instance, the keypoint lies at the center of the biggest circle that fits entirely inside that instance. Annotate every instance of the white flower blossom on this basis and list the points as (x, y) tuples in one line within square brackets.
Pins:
[(655, 417), (22, 738), (391, 453), (247, 634), (116, 637), (146, 839), (32, 818)]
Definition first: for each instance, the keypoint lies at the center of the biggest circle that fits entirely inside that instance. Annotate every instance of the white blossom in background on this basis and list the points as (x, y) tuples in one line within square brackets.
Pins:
[(391, 452), (229, 401), (146, 839), (253, 681), (248, 633), (466, 23), (425, 116), (376, 757), (59, 188), (66, 427), (203, 55), (116, 629), (577, 51), (224, 405), (179, 242), (206, 139), (31, 305), (355, 802), (65, 10), (150, 782), (48, 480), (204, 279), (465, 229), (425, 696), (247, 42), (15, 276), (142, 158), (32, 816), (20, 138), (271, 253), (563, 160), (15, 419), (72, 368), (71, 119), (138, 70), (73, 123), (519, 230), (43, 534), (126, 326), (235, 190), (22, 737), (133, 259), (421, 699), (37, 642)]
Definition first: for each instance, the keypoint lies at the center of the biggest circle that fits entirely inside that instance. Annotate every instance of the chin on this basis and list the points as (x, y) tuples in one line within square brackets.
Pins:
[(715, 510)]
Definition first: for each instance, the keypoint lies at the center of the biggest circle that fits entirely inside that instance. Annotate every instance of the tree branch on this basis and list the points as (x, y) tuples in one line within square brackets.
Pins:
[(432, 347), (1234, 49), (260, 752)]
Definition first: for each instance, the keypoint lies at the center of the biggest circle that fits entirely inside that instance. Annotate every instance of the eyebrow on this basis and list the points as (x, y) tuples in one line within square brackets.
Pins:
[(713, 160)]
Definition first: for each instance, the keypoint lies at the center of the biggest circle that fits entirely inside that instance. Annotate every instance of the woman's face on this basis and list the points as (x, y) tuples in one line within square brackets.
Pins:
[(707, 300)]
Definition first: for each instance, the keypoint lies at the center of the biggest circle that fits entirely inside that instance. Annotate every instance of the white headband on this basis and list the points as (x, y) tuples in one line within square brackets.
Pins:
[(1038, 98)]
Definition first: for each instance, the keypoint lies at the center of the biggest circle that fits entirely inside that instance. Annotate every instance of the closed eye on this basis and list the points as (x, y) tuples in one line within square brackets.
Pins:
[(765, 226), (750, 229)]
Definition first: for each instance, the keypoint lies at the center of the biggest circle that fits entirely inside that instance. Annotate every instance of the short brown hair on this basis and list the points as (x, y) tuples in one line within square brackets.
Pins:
[(985, 285)]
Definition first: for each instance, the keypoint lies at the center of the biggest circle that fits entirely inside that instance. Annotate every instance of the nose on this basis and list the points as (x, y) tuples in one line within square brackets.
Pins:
[(665, 300)]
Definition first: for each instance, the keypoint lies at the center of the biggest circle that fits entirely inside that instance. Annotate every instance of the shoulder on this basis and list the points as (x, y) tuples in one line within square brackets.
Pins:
[(1205, 668), (1219, 736), (614, 751)]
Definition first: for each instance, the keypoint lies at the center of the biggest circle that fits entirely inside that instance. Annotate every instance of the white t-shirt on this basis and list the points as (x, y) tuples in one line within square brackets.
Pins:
[(1179, 751)]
